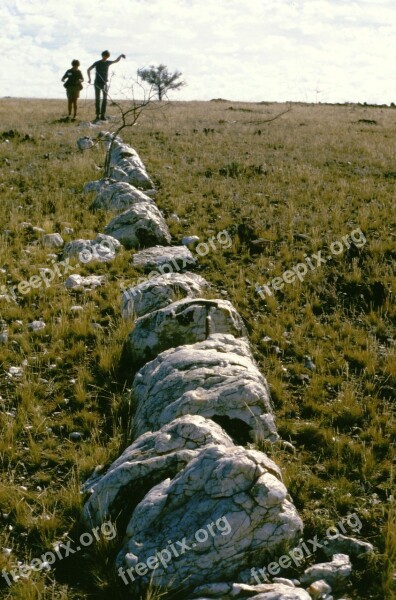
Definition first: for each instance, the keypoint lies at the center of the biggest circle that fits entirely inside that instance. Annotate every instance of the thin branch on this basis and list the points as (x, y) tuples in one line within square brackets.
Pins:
[(272, 118)]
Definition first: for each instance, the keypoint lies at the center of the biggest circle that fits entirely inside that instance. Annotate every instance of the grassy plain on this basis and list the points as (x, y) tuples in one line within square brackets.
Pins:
[(296, 184)]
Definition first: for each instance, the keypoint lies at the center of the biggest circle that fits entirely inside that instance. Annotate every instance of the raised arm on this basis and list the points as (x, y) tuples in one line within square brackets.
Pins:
[(117, 59)]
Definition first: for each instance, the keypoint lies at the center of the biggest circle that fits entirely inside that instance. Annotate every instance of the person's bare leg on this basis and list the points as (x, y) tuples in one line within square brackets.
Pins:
[(69, 106), (74, 108)]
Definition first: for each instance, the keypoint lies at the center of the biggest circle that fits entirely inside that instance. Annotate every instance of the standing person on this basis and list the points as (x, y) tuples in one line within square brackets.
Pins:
[(102, 72), (73, 85)]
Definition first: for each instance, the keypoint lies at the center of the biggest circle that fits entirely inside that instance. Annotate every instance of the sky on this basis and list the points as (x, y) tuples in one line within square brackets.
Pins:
[(240, 50)]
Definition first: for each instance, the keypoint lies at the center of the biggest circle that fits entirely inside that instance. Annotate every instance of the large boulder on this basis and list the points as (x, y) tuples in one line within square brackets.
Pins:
[(126, 170), (161, 259), (226, 508), (152, 458), (103, 249), (118, 196), (186, 321), (140, 226), (121, 151), (217, 378), (157, 292)]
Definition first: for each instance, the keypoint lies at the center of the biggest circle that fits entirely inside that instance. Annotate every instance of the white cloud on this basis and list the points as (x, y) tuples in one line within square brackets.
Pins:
[(238, 49)]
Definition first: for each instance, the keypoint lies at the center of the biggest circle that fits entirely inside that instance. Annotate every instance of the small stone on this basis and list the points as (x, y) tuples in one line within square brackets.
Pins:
[(3, 337), (76, 308), (76, 436), (309, 364), (52, 240), (85, 142), (36, 325), (335, 573), (319, 589), (347, 545), (86, 283), (190, 239), (15, 371)]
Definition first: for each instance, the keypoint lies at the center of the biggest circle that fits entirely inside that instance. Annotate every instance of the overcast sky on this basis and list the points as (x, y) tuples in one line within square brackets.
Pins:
[(248, 50)]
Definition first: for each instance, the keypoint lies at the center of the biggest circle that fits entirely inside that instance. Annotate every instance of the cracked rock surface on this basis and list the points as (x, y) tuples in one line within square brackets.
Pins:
[(126, 170), (165, 259), (118, 196), (158, 292), (139, 226), (152, 458), (238, 492), (217, 378), (121, 151), (183, 322)]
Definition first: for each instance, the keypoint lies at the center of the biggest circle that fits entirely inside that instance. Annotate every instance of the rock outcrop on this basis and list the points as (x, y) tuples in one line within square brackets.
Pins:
[(159, 292), (183, 322), (216, 379), (151, 459), (228, 506), (117, 196), (163, 259), (139, 226)]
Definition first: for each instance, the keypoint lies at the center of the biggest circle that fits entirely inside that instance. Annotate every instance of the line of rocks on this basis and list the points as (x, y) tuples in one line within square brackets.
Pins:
[(199, 401)]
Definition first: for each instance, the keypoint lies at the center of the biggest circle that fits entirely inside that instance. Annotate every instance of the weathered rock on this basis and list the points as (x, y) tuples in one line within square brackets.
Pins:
[(152, 458), (85, 142), (127, 171), (229, 506), (183, 322), (121, 152), (190, 239), (84, 283), (36, 325), (216, 378), (52, 240), (158, 292), (163, 258), (103, 249), (347, 545), (335, 573), (265, 591), (140, 225), (118, 196), (97, 184), (319, 589), (107, 137), (283, 581)]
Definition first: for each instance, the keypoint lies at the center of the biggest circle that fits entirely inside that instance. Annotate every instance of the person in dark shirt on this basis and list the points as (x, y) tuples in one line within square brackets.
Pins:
[(73, 85), (102, 71)]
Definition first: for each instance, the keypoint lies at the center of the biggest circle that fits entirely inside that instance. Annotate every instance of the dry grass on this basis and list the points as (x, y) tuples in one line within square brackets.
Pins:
[(299, 183)]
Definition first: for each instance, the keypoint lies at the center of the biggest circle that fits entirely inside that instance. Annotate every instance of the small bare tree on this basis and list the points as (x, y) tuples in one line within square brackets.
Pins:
[(129, 112), (161, 79)]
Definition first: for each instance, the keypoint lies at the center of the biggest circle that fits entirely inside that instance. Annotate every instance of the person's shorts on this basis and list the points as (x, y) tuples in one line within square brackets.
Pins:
[(73, 92)]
